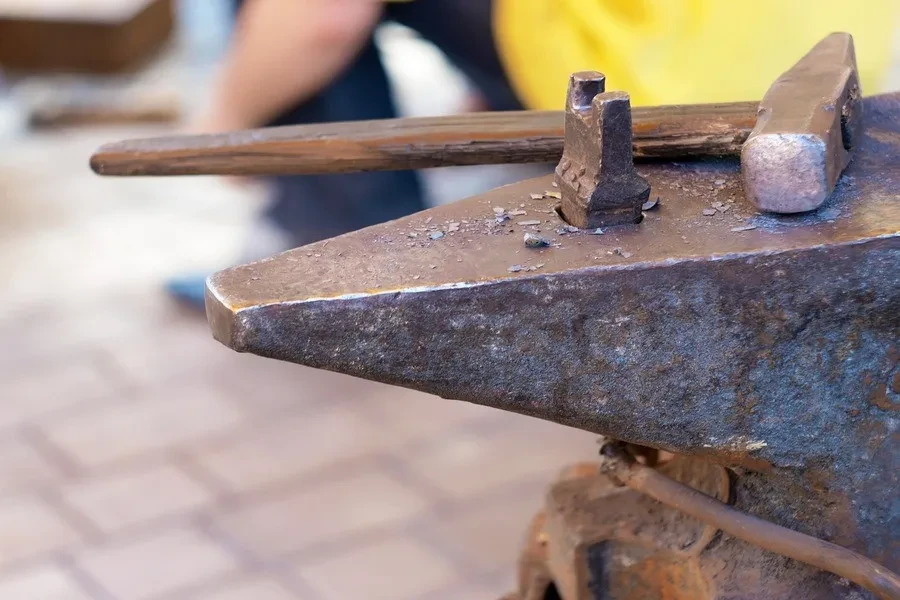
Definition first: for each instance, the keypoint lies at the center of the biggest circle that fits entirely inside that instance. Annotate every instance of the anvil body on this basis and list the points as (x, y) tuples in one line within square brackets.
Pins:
[(768, 344)]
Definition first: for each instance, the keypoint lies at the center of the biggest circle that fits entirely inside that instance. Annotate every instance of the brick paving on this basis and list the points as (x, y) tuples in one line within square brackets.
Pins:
[(140, 460)]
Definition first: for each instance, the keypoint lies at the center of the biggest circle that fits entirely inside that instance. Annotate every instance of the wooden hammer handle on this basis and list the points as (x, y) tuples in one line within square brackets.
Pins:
[(660, 132)]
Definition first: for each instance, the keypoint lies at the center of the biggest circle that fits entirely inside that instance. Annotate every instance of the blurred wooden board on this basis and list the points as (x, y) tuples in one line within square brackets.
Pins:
[(86, 36)]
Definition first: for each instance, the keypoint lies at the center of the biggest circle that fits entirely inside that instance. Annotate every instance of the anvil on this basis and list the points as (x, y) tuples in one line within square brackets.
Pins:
[(766, 344), (758, 350)]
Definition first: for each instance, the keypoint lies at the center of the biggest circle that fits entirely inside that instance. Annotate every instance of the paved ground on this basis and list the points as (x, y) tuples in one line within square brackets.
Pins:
[(141, 460)]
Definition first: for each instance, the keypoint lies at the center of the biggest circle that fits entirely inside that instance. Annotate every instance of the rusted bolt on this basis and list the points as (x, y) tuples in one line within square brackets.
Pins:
[(596, 176)]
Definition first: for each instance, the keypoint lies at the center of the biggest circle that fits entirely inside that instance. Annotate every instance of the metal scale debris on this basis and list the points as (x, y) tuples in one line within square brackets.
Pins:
[(757, 350)]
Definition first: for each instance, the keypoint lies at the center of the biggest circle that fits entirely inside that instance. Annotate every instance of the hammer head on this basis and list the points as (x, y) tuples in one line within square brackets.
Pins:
[(805, 131)]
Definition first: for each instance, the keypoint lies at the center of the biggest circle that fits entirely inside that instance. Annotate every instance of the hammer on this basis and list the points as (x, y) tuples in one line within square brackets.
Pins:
[(793, 145), (805, 130)]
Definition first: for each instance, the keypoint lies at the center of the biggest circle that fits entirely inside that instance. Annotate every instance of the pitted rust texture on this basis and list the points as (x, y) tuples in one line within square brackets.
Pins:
[(806, 130), (533, 577), (609, 542), (761, 342), (595, 540), (596, 176)]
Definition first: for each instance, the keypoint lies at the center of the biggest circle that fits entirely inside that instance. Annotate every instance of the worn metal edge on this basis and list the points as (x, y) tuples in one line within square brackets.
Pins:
[(227, 321)]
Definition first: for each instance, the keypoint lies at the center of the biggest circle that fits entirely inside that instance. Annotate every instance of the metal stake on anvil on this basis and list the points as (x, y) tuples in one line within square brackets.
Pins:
[(596, 177)]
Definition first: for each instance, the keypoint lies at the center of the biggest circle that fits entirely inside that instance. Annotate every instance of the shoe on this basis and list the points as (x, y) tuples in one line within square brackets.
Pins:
[(265, 239), (189, 290)]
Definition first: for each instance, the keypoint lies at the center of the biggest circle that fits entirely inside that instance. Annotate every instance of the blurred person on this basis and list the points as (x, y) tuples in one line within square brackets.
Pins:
[(314, 61)]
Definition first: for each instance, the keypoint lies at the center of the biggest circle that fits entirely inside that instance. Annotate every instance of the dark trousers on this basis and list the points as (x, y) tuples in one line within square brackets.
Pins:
[(315, 207)]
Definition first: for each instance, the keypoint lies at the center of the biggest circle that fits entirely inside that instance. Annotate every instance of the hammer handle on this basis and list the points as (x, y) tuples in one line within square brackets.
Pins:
[(660, 132)]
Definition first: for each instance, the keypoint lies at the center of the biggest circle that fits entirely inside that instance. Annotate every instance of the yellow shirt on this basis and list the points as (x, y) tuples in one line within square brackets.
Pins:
[(681, 51)]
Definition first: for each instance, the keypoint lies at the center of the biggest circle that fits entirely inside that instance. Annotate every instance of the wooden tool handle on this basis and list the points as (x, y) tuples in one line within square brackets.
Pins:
[(416, 143)]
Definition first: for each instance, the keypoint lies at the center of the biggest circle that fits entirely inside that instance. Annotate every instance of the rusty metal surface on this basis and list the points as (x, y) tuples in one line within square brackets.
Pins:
[(805, 132), (767, 343), (593, 539), (626, 469), (533, 576), (604, 541), (596, 176)]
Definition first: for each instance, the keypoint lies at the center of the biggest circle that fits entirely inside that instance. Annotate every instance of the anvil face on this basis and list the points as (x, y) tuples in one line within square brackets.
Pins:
[(765, 342)]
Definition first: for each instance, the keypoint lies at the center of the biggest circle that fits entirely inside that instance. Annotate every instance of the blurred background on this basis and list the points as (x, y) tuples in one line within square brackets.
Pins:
[(141, 460)]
